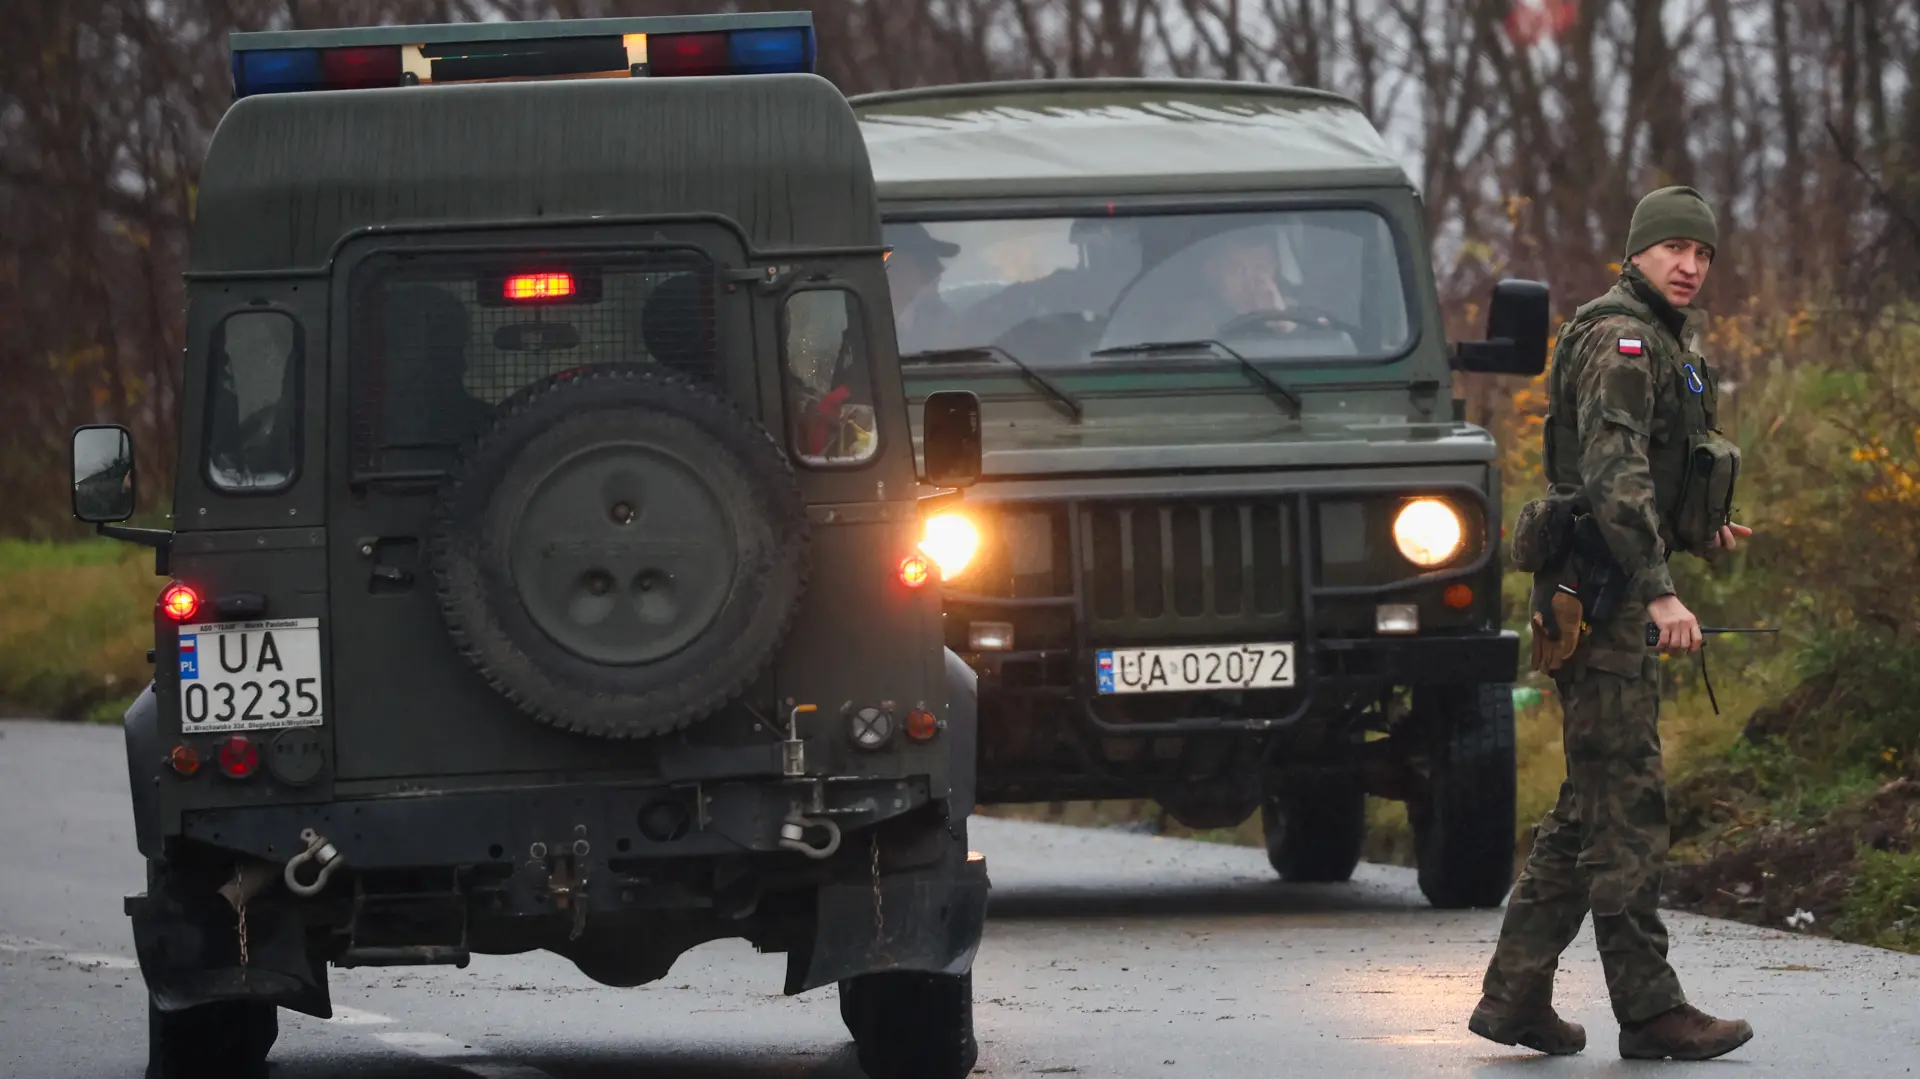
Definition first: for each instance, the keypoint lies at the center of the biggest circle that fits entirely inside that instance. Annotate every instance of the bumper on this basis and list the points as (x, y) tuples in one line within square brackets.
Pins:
[(1413, 661), (603, 824), (1327, 665)]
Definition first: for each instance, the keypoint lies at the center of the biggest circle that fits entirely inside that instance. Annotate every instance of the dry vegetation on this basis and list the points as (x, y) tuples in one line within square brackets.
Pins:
[(1530, 125)]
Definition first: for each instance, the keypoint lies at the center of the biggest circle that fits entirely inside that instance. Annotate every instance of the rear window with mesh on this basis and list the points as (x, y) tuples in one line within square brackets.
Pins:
[(438, 343)]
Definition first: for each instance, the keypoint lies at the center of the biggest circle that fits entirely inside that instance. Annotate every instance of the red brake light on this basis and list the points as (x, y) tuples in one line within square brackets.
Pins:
[(360, 68), (239, 757), (687, 54), (915, 571), (533, 287), (922, 725), (180, 602)]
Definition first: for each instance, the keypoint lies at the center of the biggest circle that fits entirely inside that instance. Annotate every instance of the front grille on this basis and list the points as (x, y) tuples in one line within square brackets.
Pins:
[(1212, 563)]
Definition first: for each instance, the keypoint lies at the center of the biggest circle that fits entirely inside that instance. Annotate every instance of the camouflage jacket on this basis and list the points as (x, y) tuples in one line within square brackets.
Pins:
[(1627, 389)]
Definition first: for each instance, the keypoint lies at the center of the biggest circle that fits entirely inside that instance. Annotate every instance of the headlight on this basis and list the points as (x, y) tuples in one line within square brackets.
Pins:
[(950, 540), (1428, 532)]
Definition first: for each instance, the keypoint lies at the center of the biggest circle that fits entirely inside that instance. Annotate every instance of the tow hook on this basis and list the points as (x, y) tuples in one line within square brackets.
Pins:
[(323, 854), (793, 835)]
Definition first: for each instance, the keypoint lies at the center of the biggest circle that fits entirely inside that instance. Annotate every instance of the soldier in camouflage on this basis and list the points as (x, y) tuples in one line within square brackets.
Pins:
[(1629, 393)]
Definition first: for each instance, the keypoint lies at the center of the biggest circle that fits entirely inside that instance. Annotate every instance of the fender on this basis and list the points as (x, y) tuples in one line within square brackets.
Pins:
[(144, 753)]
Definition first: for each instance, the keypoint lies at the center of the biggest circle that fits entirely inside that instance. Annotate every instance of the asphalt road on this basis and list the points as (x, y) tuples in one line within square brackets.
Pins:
[(1108, 956)]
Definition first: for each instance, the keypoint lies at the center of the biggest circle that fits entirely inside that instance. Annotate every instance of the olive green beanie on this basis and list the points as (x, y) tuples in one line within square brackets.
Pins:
[(1672, 213)]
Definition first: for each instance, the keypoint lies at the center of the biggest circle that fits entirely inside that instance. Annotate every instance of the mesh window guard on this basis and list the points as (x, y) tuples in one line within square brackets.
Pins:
[(439, 342)]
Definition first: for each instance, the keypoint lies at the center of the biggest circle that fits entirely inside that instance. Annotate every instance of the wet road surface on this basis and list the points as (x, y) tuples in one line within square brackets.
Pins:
[(1108, 956)]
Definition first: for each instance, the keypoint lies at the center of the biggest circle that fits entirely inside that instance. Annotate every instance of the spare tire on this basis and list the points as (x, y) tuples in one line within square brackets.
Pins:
[(622, 553)]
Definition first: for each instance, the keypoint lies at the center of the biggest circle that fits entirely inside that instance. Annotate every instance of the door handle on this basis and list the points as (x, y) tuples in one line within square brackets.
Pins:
[(394, 560)]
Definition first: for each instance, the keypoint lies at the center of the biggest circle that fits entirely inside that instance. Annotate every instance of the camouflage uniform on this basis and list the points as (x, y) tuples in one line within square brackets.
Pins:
[(1618, 430)]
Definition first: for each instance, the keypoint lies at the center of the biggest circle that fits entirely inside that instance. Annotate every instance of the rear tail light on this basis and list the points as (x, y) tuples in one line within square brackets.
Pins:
[(922, 725), (239, 757), (180, 602), (915, 571)]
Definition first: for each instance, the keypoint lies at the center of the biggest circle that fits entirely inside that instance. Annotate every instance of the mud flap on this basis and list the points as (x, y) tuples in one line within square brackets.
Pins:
[(930, 920), (188, 960)]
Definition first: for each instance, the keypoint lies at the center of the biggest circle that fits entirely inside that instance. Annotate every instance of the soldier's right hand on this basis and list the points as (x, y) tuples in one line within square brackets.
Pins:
[(1679, 629)]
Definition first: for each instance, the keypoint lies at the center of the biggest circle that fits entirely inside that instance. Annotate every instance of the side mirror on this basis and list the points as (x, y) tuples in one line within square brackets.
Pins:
[(1516, 341), (103, 488), (950, 426)]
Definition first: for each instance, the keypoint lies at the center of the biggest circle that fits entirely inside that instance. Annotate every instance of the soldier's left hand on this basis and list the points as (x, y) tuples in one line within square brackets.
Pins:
[(1730, 536)]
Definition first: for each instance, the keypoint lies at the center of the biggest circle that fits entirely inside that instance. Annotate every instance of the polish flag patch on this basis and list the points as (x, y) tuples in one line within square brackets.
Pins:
[(1630, 346)]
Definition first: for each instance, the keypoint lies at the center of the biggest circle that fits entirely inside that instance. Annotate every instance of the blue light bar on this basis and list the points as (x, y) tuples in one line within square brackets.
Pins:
[(275, 71), (770, 52), (751, 43)]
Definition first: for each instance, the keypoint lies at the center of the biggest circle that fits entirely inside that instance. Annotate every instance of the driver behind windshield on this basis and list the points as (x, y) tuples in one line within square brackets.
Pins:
[(1226, 287)]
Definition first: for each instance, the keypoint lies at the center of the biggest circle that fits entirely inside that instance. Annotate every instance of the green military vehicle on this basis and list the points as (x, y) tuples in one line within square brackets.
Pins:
[(545, 564), (1234, 548)]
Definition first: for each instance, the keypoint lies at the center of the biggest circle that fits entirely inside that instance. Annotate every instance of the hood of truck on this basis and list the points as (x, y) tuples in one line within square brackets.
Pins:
[(1147, 444)]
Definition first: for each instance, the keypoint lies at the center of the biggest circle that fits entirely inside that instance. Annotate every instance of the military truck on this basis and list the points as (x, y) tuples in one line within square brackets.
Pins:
[(543, 568), (1234, 549)]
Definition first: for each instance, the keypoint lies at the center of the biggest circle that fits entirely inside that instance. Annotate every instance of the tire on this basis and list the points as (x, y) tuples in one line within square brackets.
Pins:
[(1464, 825), (910, 1025), (225, 1040), (622, 553), (1314, 830)]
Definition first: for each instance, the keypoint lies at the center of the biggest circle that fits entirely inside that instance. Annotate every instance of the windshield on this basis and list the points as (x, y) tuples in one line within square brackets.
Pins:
[(1295, 284)]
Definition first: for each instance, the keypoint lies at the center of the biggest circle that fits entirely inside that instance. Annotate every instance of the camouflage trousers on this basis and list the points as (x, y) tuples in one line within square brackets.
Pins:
[(1601, 849)]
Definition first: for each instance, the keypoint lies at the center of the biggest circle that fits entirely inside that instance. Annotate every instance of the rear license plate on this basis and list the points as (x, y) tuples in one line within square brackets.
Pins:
[(250, 676), (1188, 670)]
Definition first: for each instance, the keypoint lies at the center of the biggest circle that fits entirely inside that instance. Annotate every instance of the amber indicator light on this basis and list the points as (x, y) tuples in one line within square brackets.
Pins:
[(921, 725)]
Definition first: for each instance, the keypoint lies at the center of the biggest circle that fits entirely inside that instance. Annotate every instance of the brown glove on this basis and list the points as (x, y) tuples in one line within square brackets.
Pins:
[(1549, 653)]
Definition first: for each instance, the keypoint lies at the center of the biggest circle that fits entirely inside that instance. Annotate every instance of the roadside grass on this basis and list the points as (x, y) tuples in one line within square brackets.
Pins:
[(76, 628), (1814, 810)]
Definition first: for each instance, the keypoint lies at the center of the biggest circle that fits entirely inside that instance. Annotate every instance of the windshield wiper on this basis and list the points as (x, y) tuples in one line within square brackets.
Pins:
[(1147, 348), (1065, 400)]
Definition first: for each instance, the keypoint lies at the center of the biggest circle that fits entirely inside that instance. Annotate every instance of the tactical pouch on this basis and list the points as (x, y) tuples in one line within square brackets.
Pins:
[(1543, 533), (1705, 504)]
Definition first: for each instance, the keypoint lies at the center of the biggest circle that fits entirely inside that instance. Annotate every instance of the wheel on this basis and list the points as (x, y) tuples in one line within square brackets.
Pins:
[(227, 1040), (622, 553), (910, 1025), (1314, 829), (1464, 824)]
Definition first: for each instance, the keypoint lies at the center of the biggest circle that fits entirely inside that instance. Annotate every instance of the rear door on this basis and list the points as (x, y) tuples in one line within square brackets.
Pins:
[(432, 335)]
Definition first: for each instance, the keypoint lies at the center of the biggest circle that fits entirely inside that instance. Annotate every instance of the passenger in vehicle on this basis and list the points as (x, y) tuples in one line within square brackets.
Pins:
[(921, 318), (427, 402)]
